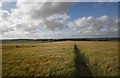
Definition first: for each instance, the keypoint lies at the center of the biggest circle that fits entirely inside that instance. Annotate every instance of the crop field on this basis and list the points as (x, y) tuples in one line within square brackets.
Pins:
[(65, 58), (101, 57)]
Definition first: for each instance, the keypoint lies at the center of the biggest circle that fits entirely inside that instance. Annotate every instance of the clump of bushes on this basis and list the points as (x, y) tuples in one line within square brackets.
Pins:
[(24, 46)]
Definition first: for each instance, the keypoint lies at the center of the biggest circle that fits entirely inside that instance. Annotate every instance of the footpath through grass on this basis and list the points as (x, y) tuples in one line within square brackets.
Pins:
[(91, 58), (101, 57)]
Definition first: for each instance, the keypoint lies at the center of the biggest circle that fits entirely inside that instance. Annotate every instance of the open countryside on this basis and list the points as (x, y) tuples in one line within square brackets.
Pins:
[(62, 58), (59, 38)]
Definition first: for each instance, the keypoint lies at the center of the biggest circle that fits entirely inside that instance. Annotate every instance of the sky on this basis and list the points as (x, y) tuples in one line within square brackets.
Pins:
[(41, 20)]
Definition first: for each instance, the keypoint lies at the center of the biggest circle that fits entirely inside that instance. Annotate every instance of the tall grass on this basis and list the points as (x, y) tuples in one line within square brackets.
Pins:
[(58, 58), (101, 57), (45, 59)]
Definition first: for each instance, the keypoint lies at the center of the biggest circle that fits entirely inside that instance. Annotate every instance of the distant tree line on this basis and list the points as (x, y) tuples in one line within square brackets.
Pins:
[(64, 39)]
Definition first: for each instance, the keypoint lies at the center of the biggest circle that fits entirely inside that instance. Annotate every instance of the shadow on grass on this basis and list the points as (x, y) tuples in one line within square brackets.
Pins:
[(80, 65)]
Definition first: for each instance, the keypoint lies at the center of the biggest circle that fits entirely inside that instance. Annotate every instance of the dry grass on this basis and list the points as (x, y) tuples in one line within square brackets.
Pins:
[(57, 58), (101, 57), (40, 59)]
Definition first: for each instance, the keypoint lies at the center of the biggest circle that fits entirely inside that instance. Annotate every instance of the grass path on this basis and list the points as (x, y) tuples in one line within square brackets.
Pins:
[(80, 65), (66, 59)]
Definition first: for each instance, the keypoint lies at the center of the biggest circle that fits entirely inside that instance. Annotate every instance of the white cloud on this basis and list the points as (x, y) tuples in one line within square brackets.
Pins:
[(51, 15), (95, 27), (34, 16), (49, 20), (41, 10), (5, 15), (56, 21), (61, 0), (5, 24)]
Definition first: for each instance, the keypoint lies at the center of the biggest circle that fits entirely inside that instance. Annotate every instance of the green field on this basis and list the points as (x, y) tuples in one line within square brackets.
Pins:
[(86, 58)]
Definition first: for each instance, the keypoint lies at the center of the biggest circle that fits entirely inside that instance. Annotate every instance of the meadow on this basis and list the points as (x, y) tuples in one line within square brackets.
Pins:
[(65, 58)]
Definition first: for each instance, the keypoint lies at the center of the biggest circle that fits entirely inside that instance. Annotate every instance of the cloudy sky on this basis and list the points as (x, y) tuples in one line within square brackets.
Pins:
[(34, 20)]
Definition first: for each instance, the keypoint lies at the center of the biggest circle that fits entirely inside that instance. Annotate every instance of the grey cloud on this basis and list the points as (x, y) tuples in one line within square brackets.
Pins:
[(5, 15), (56, 22), (95, 27), (94, 23), (22, 26), (54, 25), (5, 24), (41, 10), (50, 14), (67, 0), (29, 17)]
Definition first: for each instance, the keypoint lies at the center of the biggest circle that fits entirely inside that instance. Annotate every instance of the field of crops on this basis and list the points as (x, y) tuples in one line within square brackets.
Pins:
[(60, 59), (101, 57)]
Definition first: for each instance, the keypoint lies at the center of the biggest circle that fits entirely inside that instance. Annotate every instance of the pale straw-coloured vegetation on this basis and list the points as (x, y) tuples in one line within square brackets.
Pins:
[(59, 58)]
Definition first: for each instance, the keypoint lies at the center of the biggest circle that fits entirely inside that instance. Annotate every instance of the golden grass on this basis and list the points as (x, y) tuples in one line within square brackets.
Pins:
[(57, 58), (45, 59), (101, 57)]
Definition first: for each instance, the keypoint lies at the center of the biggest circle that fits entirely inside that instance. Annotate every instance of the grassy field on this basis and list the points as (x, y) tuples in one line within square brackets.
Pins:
[(60, 59), (101, 57)]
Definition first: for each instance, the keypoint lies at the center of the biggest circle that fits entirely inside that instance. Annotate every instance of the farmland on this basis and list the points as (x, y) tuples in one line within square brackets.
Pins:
[(65, 58)]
